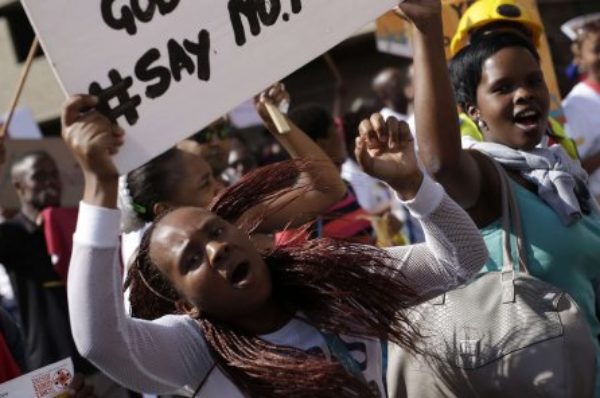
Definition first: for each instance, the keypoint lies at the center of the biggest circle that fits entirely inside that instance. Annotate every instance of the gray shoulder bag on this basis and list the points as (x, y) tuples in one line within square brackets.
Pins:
[(503, 334)]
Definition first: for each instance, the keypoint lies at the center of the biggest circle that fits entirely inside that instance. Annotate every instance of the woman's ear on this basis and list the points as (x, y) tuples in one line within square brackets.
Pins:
[(184, 307), (473, 112), (160, 207)]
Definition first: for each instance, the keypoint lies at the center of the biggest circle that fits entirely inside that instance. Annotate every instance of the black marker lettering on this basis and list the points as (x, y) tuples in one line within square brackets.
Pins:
[(146, 73), (143, 15), (296, 6), (166, 7), (237, 8), (135, 12), (179, 60), (126, 21), (202, 51), (118, 91), (269, 13)]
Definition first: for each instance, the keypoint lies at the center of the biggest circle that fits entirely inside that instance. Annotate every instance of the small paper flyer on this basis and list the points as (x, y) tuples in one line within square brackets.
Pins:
[(47, 382)]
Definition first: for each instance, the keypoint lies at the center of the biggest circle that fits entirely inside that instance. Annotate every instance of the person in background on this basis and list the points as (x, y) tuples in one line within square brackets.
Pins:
[(241, 160), (13, 361), (40, 291), (214, 145), (582, 104), (394, 88), (346, 219)]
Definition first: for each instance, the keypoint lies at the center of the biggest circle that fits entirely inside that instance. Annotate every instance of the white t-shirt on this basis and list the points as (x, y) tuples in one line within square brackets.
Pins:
[(582, 109)]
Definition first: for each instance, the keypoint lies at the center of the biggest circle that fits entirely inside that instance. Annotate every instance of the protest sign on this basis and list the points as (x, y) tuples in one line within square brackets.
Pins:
[(168, 67), (48, 382), (70, 173), (393, 37)]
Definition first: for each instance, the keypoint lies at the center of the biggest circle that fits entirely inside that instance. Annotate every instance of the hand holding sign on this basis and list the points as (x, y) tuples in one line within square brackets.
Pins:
[(269, 106), (92, 138)]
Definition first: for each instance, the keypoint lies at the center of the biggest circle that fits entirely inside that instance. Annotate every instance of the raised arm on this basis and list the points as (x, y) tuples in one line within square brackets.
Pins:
[(438, 132), (155, 357), (323, 178), (454, 250)]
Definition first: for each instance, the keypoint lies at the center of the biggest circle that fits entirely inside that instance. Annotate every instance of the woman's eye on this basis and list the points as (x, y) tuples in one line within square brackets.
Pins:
[(203, 185), (502, 89), (536, 81), (193, 262), (216, 232)]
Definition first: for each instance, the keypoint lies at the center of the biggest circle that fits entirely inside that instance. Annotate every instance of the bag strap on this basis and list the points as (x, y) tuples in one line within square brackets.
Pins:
[(510, 218)]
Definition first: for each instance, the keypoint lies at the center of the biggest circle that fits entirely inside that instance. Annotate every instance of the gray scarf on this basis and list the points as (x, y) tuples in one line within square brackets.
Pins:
[(561, 181)]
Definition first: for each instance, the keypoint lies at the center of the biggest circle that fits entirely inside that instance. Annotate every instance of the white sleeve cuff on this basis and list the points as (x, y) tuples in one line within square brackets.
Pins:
[(427, 199), (97, 226)]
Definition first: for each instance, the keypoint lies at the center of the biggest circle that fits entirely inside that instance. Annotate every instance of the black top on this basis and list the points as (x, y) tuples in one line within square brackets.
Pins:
[(14, 338), (41, 295)]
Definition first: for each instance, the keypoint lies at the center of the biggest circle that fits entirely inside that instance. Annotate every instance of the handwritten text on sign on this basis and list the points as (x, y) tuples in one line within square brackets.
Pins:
[(163, 69)]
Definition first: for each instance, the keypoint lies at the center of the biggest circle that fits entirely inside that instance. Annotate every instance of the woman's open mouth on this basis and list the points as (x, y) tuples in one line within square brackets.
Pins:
[(239, 275), (528, 119)]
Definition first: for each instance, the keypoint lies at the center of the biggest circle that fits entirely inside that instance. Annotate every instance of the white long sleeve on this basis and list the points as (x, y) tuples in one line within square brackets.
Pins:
[(164, 355), (454, 250), (157, 357)]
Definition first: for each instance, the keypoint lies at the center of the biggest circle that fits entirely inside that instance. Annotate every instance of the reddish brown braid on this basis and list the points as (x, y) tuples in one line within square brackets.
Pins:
[(341, 287)]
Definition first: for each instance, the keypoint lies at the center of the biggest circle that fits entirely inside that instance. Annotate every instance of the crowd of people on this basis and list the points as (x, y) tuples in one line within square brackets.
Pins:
[(300, 267)]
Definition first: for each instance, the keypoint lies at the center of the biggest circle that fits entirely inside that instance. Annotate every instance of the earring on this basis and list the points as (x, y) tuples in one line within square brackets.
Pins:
[(481, 124)]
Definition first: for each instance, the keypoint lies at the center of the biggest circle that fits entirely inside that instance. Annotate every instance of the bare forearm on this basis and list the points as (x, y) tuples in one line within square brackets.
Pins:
[(300, 146), (438, 131), (435, 108)]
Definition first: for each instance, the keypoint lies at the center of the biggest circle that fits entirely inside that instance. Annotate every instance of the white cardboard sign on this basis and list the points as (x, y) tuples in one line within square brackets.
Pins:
[(48, 382), (184, 63)]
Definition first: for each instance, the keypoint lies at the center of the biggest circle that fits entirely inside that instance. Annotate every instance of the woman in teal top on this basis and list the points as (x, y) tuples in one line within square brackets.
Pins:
[(498, 83)]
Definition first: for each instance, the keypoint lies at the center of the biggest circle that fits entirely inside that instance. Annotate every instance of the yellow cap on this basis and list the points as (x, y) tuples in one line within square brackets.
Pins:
[(484, 12)]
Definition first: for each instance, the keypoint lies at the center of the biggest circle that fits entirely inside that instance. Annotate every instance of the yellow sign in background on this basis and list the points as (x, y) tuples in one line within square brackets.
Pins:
[(393, 36)]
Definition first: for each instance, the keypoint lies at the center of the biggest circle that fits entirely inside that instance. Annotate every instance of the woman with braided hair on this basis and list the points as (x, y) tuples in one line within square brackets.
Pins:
[(303, 320)]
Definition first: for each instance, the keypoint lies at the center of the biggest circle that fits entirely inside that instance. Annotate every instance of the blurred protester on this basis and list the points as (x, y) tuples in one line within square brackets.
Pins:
[(582, 105), (13, 361), (394, 88), (215, 144), (40, 291), (346, 219), (241, 160)]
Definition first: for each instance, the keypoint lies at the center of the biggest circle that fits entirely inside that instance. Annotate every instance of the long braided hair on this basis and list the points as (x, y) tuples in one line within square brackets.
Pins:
[(340, 287)]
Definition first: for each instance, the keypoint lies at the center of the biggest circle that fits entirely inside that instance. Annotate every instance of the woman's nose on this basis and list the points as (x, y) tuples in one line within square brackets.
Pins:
[(217, 253), (523, 94)]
